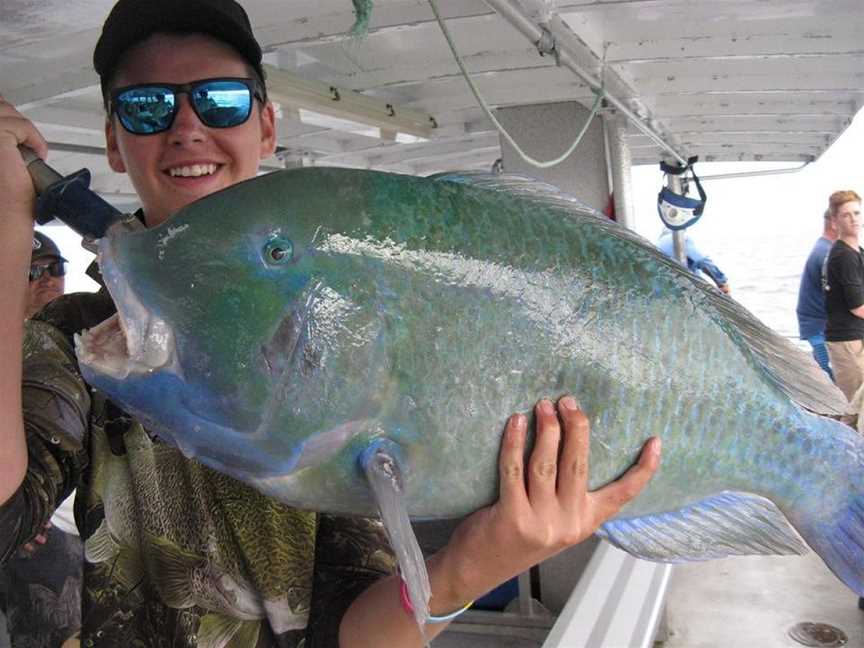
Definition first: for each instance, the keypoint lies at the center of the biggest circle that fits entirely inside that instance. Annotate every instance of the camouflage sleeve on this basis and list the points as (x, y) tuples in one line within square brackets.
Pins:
[(56, 406), (350, 555)]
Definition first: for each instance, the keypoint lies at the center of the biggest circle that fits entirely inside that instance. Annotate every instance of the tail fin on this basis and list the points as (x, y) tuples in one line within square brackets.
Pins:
[(832, 521), (840, 543)]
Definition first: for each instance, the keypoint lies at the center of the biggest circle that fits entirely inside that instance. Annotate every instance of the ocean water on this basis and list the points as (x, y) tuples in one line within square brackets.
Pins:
[(760, 230), (765, 274)]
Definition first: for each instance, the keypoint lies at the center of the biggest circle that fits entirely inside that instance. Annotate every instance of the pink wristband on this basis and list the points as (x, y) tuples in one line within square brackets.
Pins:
[(405, 599)]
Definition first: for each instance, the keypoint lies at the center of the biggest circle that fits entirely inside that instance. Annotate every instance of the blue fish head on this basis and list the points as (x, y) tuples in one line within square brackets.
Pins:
[(235, 321)]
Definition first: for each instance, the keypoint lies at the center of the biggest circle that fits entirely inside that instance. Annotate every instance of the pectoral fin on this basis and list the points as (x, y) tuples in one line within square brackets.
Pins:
[(383, 463), (727, 524)]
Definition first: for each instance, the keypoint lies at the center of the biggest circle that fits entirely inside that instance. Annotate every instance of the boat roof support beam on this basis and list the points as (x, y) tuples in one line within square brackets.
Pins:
[(513, 13)]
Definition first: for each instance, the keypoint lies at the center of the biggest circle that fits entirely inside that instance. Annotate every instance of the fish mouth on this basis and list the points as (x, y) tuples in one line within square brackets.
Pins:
[(116, 349), (134, 341)]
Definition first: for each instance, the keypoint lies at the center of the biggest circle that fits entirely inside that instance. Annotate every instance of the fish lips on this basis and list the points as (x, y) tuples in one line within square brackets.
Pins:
[(135, 340)]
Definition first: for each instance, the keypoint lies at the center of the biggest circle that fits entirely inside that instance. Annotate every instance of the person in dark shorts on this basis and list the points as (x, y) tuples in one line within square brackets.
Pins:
[(811, 296)]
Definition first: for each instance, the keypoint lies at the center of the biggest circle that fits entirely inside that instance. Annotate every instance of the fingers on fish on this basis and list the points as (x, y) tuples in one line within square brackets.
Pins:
[(511, 464), (612, 497), (543, 464), (573, 471)]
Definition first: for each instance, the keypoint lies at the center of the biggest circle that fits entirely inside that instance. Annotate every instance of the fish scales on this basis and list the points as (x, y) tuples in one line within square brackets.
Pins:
[(313, 311)]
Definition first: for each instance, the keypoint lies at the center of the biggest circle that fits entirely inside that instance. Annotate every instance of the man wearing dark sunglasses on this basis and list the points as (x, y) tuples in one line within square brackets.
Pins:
[(50, 564), (47, 277), (178, 554)]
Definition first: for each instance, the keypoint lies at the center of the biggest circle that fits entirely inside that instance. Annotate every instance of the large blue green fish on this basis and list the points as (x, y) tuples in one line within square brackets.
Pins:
[(282, 328)]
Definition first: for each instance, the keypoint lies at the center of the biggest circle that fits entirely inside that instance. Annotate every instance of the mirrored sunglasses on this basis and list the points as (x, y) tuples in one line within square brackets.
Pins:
[(150, 108), (55, 269)]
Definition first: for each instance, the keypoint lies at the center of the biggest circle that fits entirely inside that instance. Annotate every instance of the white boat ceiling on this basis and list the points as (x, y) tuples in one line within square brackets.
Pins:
[(727, 80)]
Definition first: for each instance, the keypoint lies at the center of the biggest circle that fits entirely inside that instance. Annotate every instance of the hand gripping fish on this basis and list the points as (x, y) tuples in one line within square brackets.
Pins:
[(309, 327)]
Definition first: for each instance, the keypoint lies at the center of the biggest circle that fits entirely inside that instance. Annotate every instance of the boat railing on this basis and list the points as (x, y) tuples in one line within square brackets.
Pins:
[(591, 596)]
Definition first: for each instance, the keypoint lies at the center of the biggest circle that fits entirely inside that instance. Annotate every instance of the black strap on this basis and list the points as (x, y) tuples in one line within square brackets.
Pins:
[(117, 423), (678, 169), (702, 195)]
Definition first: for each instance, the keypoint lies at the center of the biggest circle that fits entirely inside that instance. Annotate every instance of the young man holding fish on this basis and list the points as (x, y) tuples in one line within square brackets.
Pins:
[(176, 550)]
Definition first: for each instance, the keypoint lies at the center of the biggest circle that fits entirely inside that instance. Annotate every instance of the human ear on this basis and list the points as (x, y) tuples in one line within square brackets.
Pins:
[(268, 130), (115, 160)]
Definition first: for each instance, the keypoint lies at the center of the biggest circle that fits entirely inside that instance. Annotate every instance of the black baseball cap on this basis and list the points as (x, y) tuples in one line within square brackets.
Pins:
[(132, 21), (44, 247)]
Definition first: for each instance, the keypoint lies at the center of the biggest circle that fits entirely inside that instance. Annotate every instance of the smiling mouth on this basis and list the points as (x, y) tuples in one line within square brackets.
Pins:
[(192, 171)]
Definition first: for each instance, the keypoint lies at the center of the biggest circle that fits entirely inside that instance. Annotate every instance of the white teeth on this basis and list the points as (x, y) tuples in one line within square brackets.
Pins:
[(195, 170)]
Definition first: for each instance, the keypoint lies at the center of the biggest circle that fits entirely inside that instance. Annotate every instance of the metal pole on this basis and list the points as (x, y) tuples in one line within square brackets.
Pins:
[(622, 190), (526, 604), (679, 237), (515, 15), (754, 174)]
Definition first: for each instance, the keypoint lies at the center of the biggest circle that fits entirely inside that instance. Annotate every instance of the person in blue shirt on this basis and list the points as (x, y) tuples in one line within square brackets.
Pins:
[(696, 261), (811, 297)]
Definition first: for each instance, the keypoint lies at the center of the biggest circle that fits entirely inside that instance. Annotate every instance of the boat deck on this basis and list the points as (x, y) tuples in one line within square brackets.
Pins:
[(735, 602), (755, 601)]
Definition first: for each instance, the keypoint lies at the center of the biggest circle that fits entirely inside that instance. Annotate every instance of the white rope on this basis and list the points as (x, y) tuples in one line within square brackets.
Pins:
[(530, 160)]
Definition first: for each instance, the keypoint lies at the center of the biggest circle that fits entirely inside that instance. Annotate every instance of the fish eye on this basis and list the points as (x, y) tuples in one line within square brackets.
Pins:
[(278, 252)]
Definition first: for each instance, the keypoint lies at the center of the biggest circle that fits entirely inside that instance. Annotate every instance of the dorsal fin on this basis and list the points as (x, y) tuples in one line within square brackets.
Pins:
[(728, 524), (792, 370), (789, 368), (519, 185)]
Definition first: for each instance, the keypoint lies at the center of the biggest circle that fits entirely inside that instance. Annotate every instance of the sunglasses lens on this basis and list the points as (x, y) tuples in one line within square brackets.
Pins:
[(55, 269), (222, 104), (146, 110)]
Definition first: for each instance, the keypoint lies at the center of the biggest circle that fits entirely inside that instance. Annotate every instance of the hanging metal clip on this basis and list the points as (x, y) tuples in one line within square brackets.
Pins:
[(546, 45)]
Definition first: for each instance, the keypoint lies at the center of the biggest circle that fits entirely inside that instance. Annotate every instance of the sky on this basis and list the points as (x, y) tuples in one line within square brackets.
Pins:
[(758, 230), (763, 204)]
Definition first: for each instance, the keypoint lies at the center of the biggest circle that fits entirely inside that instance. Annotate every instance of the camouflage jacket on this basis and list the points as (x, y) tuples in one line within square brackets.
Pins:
[(176, 554)]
